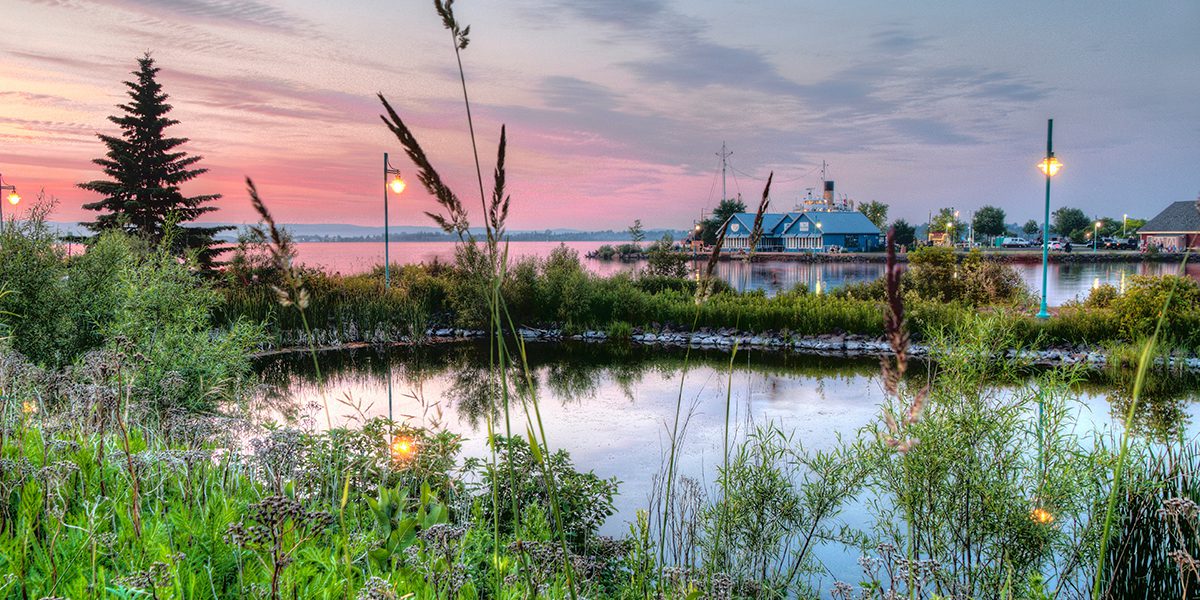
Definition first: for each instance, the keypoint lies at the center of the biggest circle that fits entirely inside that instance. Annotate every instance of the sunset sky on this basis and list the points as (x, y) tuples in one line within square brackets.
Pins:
[(616, 109)]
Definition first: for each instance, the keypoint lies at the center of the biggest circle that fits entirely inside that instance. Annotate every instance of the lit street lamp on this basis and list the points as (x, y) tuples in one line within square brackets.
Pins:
[(1124, 221), (1050, 167), (397, 185), (13, 198), (1096, 237)]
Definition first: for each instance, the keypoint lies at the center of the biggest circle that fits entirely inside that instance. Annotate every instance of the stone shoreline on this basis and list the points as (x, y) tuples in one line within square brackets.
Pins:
[(830, 345)]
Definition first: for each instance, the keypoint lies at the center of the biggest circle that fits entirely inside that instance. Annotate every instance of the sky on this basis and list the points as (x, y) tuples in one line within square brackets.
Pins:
[(616, 110)]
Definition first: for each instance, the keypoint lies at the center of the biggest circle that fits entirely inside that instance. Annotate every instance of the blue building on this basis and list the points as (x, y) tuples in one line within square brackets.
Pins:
[(808, 231)]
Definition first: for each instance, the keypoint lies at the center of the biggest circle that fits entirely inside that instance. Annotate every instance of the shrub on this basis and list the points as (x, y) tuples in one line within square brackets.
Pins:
[(163, 316), (1101, 296), (585, 500), (1143, 302), (664, 261), (606, 252)]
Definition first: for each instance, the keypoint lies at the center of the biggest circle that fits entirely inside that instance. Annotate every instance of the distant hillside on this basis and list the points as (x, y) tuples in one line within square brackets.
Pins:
[(342, 232)]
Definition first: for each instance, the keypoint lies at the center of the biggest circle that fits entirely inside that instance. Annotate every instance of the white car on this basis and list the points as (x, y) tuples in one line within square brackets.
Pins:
[(1015, 242), (1057, 245)]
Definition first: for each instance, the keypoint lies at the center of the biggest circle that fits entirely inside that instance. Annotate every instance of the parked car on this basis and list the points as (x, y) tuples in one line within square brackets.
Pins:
[(1015, 242), (1057, 245), (1120, 243)]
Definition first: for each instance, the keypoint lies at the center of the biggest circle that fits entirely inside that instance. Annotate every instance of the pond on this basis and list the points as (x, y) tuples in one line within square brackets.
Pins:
[(612, 406), (1064, 281)]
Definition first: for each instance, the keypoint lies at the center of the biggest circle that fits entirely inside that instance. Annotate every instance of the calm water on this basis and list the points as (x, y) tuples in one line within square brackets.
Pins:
[(612, 407), (1065, 281)]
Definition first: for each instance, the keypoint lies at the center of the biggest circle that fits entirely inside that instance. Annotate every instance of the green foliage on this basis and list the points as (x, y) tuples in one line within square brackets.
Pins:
[(665, 261), (936, 274), (964, 493), (1031, 227), (875, 211), (904, 234), (636, 232), (1143, 302), (606, 252), (712, 225), (989, 220), (1071, 223), (946, 221), (34, 273), (586, 500), (163, 318)]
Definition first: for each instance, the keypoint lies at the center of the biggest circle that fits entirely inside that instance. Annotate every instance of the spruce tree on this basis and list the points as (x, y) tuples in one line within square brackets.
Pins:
[(145, 168)]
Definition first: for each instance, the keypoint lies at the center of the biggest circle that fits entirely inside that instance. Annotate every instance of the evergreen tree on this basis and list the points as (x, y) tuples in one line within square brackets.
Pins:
[(145, 168)]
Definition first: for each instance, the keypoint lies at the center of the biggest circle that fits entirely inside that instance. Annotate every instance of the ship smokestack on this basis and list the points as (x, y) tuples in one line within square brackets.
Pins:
[(828, 194)]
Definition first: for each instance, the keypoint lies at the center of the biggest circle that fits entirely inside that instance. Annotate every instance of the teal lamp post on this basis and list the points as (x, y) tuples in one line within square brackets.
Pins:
[(1050, 167), (397, 185)]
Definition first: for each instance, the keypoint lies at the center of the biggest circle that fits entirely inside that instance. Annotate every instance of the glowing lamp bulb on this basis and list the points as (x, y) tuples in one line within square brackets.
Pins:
[(402, 448), (1050, 166), (1041, 515), (397, 184), (13, 198)]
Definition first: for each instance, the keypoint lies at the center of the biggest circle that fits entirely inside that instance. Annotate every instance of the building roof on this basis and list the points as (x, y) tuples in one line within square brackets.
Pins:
[(770, 222), (1179, 217), (849, 222)]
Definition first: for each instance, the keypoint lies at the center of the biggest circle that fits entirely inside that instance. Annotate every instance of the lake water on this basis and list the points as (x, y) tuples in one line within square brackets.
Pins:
[(1064, 281), (611, 407)]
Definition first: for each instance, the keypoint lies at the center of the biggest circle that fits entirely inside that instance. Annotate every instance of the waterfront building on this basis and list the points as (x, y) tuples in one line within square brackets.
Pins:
[(804, 231), (1175, 228)]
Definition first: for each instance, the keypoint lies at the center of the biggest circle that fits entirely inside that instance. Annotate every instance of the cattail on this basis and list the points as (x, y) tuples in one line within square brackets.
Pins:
[(893, 369)]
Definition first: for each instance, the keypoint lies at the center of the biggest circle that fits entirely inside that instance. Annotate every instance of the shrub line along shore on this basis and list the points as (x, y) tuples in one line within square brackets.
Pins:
[(827, 345)]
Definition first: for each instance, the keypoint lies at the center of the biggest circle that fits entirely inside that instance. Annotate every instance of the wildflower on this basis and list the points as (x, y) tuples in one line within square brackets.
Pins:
[(376, 588)]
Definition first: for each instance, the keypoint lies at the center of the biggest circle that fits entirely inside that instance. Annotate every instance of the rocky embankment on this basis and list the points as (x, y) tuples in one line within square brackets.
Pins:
[(834, 345)]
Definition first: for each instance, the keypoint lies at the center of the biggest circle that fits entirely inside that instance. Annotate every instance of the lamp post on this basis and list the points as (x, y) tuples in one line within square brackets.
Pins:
[(1050, 167), (1124, 222), (820, 236), (13, 198), (397, 185), (1096, 236)]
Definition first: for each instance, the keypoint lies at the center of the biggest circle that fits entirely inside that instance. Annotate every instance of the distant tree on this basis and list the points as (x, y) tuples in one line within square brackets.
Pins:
[(712, 225), (989, 220), (876, 212), (904, 234), (664, 261), (1072, 223), (1031, 227), (636, 233), (946, 221), (1113, 227), (145, 169)]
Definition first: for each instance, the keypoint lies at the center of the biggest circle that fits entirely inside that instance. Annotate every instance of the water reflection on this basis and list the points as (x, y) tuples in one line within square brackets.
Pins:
[(612, 406)]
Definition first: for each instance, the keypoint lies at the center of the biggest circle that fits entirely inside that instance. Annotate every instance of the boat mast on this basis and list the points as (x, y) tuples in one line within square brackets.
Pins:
[(724, 155)]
